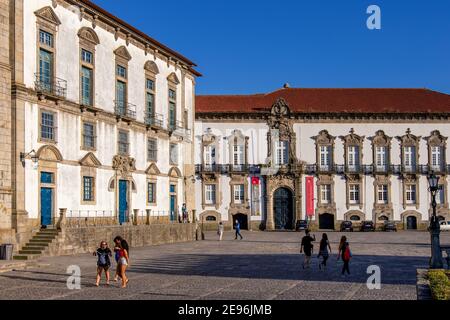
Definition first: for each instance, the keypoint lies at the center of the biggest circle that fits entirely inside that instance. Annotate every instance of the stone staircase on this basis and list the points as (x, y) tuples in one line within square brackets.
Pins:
[(37, 245)]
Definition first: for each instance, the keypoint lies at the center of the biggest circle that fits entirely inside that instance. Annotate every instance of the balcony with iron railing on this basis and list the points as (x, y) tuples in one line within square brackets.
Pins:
[(125, 110), (51, 86), (154, 120)]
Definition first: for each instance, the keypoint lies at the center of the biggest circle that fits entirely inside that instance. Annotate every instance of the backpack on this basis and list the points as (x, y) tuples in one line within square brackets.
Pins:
[(347, 253), (102, 258)]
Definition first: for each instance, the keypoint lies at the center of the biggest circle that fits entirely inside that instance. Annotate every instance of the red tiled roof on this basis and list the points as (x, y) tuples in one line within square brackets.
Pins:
[(117, 20), (331, 100)]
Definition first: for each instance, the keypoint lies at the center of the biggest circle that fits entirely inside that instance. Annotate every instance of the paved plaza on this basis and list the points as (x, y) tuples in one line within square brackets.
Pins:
[(265, 265)]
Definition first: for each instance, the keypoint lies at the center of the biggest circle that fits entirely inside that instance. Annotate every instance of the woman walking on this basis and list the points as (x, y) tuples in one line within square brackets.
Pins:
[(220, 230), (123, 262), (324, 251), (103, 262), (117, 240), (345, 253)]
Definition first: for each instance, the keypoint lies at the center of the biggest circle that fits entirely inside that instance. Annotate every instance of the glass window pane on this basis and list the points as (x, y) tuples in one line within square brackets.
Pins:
[(46, 177)]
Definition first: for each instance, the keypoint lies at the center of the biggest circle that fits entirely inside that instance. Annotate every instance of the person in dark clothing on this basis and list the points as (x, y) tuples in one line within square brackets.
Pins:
[(103, 262), (238, 230), (324, 251), (345, 254), (307, 247)]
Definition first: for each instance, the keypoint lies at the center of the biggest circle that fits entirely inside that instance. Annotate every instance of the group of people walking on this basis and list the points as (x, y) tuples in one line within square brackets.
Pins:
[(122, 258), (307, 248)]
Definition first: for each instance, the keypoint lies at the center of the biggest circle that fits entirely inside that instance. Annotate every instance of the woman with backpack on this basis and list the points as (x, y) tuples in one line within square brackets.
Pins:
[(345, 253), (103, 262), (324, 250)]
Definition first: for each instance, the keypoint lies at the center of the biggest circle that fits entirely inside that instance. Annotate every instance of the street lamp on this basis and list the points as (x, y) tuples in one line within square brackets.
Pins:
[(32, 154), (436, 254)]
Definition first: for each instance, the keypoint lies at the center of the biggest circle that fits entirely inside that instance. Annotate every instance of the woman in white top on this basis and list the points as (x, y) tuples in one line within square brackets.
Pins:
[(220, 230)]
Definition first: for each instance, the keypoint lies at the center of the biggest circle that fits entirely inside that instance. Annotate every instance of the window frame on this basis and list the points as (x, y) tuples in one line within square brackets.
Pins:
[(83, 136), (54, 126), (92, 189), (151, 140), (119, 142), (212, 194)]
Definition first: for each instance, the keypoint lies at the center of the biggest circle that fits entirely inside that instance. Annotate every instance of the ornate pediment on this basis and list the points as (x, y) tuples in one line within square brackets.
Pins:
[(352, 139), (151, 67), (324, 138), (280, 108), (173, 78), (49, 153), (152, 170), (123, 53), (208, 137), (48, 15), (381, 139), (409, 139), (89, 35), (436, 139), (125, 165), (90, 160), (174, 172)]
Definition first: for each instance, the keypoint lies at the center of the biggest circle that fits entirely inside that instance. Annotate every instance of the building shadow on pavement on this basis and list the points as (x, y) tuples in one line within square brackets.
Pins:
[(394, 269)]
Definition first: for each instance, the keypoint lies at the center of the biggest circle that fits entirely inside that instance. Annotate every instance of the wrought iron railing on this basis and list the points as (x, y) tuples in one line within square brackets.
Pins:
[(50, 85), (154, 119), (124, 109)]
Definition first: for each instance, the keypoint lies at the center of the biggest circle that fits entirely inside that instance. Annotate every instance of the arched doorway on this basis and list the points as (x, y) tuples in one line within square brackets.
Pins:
[(283, 209), (326, 221), (242, 218), (411, 223)]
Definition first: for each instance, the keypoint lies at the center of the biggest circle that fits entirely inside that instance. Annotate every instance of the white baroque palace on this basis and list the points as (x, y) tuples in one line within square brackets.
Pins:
[(326, 155), (96, 118)]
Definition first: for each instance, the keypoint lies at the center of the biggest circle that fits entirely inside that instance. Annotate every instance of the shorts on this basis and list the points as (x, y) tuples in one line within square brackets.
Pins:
[(123, 261), (104, 266)]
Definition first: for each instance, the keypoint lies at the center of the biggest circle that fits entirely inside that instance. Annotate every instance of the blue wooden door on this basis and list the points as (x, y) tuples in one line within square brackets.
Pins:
[(173, 216), (123, 204), (46, 206)]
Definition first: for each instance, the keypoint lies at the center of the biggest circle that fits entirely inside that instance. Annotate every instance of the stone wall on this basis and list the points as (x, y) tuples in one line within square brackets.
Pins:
[(86, 239)]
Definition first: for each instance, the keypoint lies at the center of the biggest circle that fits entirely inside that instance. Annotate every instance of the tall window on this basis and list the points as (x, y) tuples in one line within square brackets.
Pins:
[(151, 192), (150, 98), (353, 157), (325, 193), (88, 135), (409, 157), (238, 193), (121, 89), (210, 194), (440, 195), (410, 193), (325, 157), (152, 150), (123, 143), (87, 77), (436, 158), (173, 153), (46, 61), (282, 152), (238, 155), (382, 194), (210, 155), (380, 158), (353, 193), (48, 126), (88, 188), (172, 109)]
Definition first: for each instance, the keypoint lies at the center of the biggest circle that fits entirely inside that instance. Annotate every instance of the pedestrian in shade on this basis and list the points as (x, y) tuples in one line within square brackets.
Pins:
[(307, 247), (345, 254), (238, 230), (324, 251), (220, 231)]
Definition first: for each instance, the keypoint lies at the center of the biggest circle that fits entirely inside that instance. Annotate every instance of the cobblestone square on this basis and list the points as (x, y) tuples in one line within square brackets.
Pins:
[(265, 265)]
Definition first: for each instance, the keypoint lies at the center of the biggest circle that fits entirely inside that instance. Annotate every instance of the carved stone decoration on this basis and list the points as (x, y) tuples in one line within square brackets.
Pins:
[(208, 137), (409, 140), (151, 66), (81, 16), (173, 78), (123, 53), (48, 15), (128, 39), (352, 139), (94, 21), (90, 160), (381, 139), (54, 3), (124, 165), (385, 209), (436, 139), (89, 35), (324, 138), (117, 33)]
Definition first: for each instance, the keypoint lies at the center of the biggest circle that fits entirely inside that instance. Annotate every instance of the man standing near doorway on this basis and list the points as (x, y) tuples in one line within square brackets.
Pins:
[(307, 247), (238, 230)]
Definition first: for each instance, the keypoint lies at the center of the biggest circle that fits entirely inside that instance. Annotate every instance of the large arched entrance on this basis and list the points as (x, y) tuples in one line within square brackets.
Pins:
[(326, 221), (411, 223), (283, 209)]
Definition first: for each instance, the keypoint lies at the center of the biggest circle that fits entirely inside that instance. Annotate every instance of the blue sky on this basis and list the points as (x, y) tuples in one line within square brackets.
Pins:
[(253, 46)]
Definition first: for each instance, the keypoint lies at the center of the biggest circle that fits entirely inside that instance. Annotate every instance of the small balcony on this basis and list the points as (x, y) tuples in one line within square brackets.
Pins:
[(154, 120), (125, 110), (178, 129), (325, 169), (50, 86)]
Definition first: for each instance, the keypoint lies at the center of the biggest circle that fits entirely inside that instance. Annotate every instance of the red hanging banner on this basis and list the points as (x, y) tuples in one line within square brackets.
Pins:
[(255, 180), (309, 196)]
